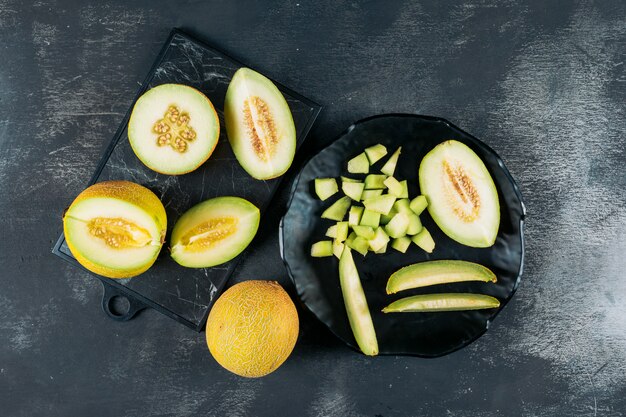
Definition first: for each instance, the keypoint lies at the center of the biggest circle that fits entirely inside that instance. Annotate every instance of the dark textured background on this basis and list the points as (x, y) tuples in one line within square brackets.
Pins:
[(543, 83)]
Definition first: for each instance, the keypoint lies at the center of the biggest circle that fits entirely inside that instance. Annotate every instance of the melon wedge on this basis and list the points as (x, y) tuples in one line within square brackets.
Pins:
[(214, 232), (259, 125)]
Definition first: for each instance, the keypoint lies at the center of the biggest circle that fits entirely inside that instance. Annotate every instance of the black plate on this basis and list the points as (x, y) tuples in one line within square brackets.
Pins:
[(317, 279), (187, 294)]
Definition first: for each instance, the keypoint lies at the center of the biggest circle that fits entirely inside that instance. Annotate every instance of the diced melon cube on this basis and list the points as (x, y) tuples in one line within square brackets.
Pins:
[(418, 204), (360, 245), (337, 248), (401, 244), (394, 186), (354, 217), (370, 193), (332, 231), (346, 179), (381, 204), (382, 250), (415, 225), (337, 210), (366, 232), (424, 240), (386, 218), (321, 249), (325, 187), (375, 182), (353, 189), (350, 238), (342, 231), (397, 226), (376, 152), (370, 218), (390, 165), (402, 206), (405, 189), (359, 164), (380, 240)]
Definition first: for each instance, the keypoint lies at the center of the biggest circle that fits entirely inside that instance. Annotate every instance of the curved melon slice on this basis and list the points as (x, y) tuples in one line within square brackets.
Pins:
[(214, 232), (173, 129), (462, 197), (259, 125), (115, 228)]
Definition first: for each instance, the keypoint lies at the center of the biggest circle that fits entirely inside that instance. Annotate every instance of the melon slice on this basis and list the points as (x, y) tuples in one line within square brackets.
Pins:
[(259, 125), (462, 197), (115, 228), (173, 129), (214, 232)]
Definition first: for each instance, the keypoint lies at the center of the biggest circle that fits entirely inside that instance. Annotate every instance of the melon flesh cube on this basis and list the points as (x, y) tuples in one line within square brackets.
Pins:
[(442, 302), (397, 226), (381, 250), (402, 206), (359, 164), (322, 249), (375, 153), (380, 240), (354, 217), (259, 125), (214, 232), (394, 186), (375, 182), (356, 305), (332, 231), (366, 232), (381, 204), (337, 210), (353, 189), (390, 165), (350, 238), (424, 240), (415, 225), (370, 193), (342, 231), (462, 197), (405, 189), (346, 179), (418, 204), (325, 187), (386, 218), (337, 248), (370, 218), (188, 129), (401, 244), (360, 245)]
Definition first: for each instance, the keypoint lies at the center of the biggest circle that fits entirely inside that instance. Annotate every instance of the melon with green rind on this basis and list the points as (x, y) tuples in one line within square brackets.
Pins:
[(173, 129), (115, 228), (462, 197), (214, 232), (259, 125)]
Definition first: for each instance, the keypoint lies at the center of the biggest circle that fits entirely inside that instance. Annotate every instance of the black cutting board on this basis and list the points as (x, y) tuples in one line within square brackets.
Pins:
[(317, 279), (182, 293)]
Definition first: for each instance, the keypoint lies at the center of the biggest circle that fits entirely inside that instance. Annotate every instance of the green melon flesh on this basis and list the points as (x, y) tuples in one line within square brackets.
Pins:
[(259, 125), (325, 187), (442, 302), (390, 165), (462, 197), (214, 232), (356, 305), (191, 141), (428, 273)]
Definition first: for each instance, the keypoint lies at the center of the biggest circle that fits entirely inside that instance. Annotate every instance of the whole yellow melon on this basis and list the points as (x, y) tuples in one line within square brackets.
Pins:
[(252, 328)]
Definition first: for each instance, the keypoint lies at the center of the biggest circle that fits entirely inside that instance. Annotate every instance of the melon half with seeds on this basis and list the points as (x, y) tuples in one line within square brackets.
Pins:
[(462, 197), (173, 129), (259, 125), (214, 232), (115, 228)]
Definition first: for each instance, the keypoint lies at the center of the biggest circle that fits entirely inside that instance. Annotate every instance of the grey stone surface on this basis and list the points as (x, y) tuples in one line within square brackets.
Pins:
[(543, 83)]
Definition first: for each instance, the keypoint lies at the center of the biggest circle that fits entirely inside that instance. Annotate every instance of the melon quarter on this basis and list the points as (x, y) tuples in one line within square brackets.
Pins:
[(259, 125), (173, 129), (214, 232), (462, 197), (115, 228)]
